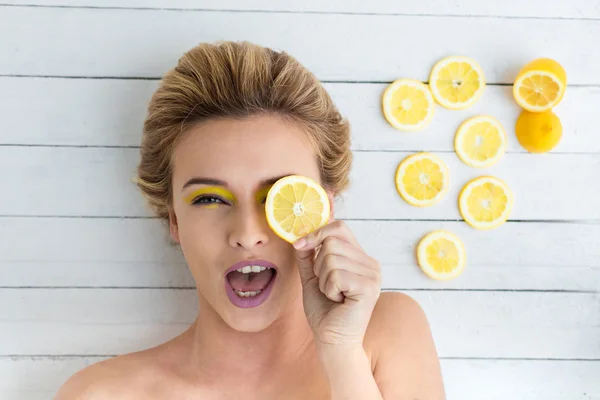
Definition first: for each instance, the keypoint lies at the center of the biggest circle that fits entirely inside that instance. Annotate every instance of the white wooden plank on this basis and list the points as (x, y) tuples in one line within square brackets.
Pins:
[(38, 378), (509, 8), (464, 324), (111, 113), (136, 253), (38, 41), (98, 182)]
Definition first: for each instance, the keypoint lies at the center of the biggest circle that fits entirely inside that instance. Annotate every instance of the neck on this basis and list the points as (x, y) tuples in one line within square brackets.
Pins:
[(216, 347)]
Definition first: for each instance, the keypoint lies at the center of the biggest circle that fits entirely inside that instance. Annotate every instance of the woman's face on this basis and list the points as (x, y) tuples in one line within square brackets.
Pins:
[(222, 172)]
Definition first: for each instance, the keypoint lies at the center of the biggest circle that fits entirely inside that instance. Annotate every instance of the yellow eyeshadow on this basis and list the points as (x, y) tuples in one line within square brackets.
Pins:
[(214, 190), (261, 195)]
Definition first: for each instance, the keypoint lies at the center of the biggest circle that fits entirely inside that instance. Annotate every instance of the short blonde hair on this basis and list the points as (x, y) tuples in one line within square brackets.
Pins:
[(238, 80)]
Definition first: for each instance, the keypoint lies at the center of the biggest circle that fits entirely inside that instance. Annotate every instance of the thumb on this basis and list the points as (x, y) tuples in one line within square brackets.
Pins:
[(305, 260)]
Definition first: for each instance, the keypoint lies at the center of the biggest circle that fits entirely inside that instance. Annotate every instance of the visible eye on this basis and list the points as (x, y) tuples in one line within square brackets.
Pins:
[(207, 199)]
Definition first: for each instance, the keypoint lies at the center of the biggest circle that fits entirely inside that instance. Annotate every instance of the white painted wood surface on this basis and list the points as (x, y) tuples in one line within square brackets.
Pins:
[(544, 186), (101, 252), (487, 324), (581, 9), (85, 274), (348, 47), (110, 112)]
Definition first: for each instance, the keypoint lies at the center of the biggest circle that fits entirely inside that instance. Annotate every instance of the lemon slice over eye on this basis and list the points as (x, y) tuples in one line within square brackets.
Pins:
[(485, 202), (441, 255), (422, 179), (408, 105), (456, 82), (480, 141), (540, 85), (296, 206)]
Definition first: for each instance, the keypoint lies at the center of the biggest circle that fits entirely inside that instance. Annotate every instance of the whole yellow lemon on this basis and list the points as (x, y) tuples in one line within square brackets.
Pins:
[(538, 132)]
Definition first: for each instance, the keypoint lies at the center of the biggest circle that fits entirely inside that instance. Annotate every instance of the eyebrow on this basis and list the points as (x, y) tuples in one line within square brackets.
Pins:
[(217, 182)]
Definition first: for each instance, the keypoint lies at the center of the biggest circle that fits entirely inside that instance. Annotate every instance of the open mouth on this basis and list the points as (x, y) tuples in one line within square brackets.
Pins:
[(250, 285)]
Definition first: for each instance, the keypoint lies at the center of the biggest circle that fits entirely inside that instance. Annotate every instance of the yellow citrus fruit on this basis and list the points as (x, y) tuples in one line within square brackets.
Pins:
[(485, 202), (422, 179), (296, 206), (407, 105), (538, 132), (441, 255), (456, 82), (540, 85), (480, 141)]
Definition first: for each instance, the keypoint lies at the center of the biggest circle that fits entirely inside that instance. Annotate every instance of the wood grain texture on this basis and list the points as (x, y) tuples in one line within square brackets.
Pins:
[(80, 112), (98, 182), (84, 272), (92, 252), (465, 324), (38, 378), (509, 8), (146, 43)]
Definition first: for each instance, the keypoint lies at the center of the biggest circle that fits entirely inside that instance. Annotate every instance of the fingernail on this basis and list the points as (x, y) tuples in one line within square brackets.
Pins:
[(300, 243)]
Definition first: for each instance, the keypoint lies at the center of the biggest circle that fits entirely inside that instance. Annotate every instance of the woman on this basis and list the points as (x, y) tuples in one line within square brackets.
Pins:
[(225, 124)]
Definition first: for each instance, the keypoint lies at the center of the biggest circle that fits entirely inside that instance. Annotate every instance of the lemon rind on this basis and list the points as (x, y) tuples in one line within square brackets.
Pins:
[(529, 107), (402, 168), (422, 256), (461, 131), (291, 179), (388, 114), (439, 98), (463, 196)]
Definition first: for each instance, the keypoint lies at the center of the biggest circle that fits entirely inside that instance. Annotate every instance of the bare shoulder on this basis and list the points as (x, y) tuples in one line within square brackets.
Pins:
[(121, 377), (404, 358), (396, 313)]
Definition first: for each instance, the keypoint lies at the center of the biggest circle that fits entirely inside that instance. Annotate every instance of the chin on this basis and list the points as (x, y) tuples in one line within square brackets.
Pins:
[(250, 321)]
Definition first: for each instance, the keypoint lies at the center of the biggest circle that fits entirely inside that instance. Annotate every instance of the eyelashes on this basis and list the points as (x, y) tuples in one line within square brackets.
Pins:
[(209, 200), (213, 201)]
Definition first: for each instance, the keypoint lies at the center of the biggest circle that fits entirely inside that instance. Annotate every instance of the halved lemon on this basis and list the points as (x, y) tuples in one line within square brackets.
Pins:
[(480, 141), (408, 105), (422, 179), (485, 202), (456, 82), (441, 255), (540, 85), (296, 206)]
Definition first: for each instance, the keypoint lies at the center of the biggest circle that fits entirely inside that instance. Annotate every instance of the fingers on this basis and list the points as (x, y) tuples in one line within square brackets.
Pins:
[(333, 246), (342, 284), (338, 229)]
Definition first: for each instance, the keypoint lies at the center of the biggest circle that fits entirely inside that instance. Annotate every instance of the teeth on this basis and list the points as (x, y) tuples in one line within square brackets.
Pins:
[(251, 268), (247, 294)]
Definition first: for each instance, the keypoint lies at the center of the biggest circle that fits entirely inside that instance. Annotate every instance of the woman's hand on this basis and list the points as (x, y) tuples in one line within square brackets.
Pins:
[(341, 285)]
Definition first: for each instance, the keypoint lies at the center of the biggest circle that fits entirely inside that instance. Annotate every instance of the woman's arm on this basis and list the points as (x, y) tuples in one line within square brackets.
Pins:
[(406, 364), (349, 372)]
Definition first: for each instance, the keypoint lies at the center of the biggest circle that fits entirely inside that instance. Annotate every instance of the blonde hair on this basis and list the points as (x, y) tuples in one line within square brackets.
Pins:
[(238, 80)]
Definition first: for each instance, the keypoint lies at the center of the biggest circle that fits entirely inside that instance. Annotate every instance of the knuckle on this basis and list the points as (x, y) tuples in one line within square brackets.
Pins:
[(331, 243), (330, 259), (339, 224)]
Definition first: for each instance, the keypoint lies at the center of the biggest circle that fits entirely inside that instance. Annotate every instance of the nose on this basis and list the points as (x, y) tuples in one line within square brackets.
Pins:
[(249, 228)]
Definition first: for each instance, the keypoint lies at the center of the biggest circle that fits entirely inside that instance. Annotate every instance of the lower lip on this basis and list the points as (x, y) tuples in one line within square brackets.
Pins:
[(250, 302)]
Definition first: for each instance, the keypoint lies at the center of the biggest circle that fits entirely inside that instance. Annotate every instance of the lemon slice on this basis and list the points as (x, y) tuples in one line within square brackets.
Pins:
[(422, 179), (441, 255), (480, 141), (540, 85), (295, 206), (485, 202), (456, 82), (408, 105)]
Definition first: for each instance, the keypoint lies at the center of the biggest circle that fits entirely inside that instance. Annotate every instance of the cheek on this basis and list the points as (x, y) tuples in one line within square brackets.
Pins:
[(199, 228)]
